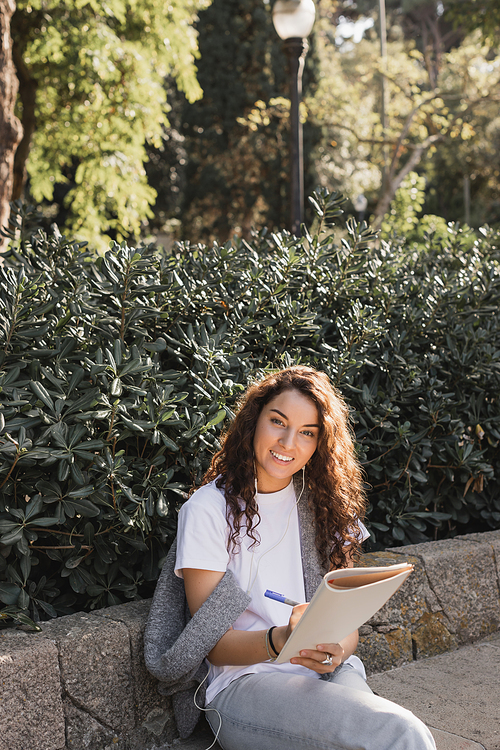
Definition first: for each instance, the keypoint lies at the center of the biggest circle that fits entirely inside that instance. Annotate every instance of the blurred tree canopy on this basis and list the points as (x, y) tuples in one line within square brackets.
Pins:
[(441, 111), (476, 14), (92, 95), (235, 175), (146, 120), (234, 140), (441, 123)]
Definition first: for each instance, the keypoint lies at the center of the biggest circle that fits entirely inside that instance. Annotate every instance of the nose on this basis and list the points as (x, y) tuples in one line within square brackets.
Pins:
[(287, 439)]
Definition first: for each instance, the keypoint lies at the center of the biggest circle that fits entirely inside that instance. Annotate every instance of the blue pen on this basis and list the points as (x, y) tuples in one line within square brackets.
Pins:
[(280, 598)]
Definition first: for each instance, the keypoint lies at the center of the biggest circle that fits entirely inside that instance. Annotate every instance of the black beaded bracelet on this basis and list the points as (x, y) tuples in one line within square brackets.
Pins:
[(270, 636)]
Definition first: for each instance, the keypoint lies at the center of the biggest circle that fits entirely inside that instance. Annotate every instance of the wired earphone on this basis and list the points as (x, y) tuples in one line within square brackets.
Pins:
[(206, 710), (250, 587)]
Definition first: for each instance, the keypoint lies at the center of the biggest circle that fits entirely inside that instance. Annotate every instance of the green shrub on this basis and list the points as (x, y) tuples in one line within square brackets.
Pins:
[(402, 217), (117, 372)]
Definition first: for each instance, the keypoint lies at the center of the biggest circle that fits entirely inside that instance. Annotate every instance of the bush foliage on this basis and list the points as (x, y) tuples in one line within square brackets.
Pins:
[(117, 372)]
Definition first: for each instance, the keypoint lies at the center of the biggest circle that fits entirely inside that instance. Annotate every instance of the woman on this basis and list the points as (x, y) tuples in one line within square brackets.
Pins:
[(281, 504)]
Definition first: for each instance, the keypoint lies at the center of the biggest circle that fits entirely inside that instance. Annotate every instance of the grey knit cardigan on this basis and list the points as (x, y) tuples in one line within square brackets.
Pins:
[(176, 644)]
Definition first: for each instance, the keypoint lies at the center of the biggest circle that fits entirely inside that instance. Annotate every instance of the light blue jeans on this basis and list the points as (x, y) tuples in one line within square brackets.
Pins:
[(277, 711)]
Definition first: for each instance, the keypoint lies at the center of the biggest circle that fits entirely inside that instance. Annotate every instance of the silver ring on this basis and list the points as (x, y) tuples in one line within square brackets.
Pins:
[(328, 660)]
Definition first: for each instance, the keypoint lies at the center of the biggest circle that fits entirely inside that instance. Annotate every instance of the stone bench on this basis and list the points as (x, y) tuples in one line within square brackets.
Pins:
[(81, 683)]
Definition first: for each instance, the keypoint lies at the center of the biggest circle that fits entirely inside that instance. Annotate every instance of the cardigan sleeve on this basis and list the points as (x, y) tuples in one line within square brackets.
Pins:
[(175, 644)]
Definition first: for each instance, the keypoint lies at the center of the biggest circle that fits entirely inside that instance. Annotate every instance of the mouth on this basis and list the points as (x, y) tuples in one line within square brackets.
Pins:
[(281, 457)]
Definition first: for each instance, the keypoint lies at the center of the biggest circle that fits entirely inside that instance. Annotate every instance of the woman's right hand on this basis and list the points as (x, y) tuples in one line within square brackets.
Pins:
[(297, 613), (282, 634)]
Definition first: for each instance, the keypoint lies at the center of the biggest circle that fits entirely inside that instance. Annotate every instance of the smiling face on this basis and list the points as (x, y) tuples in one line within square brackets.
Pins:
[(286, 436)]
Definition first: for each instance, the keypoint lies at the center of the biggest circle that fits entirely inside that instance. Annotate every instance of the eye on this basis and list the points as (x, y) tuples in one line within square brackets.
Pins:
[(276, 420), (308, 433)]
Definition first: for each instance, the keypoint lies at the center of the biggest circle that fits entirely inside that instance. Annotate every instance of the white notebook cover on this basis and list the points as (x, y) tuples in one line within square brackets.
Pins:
[(336, 612)]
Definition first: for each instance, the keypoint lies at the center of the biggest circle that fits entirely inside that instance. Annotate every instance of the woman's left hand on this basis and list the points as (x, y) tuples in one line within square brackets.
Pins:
[(313, 659), (330, 652)]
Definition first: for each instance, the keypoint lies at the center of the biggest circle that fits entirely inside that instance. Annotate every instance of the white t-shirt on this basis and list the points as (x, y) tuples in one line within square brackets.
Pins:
[(275, 563)]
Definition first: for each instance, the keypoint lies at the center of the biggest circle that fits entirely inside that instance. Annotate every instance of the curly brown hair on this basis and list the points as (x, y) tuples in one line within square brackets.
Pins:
[(333, 475)]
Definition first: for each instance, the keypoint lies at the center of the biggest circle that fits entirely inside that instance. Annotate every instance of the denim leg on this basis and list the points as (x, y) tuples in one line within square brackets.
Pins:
[(279, 711), (347, 675)]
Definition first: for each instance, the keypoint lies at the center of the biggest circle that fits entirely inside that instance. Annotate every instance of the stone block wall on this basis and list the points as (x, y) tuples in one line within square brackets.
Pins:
[(81, 683), (451, 598)]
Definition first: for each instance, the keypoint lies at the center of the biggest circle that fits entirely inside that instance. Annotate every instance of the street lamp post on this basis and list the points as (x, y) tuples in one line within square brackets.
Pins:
[(293, 21)]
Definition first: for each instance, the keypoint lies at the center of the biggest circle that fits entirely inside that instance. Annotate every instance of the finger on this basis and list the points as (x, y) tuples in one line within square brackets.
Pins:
[(296, 614), (318, 656), (331, 660), (315, 665), (332, 652), (327, 660), (331, 648), (298, 611)]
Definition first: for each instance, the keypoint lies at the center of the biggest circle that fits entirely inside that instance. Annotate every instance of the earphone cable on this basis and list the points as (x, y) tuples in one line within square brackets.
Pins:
[(206, 710), (249, 589)]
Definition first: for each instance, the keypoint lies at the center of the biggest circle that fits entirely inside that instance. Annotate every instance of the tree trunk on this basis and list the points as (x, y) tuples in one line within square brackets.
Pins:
[(392, 184), (27, 95), (10, 128), (395, 179)]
